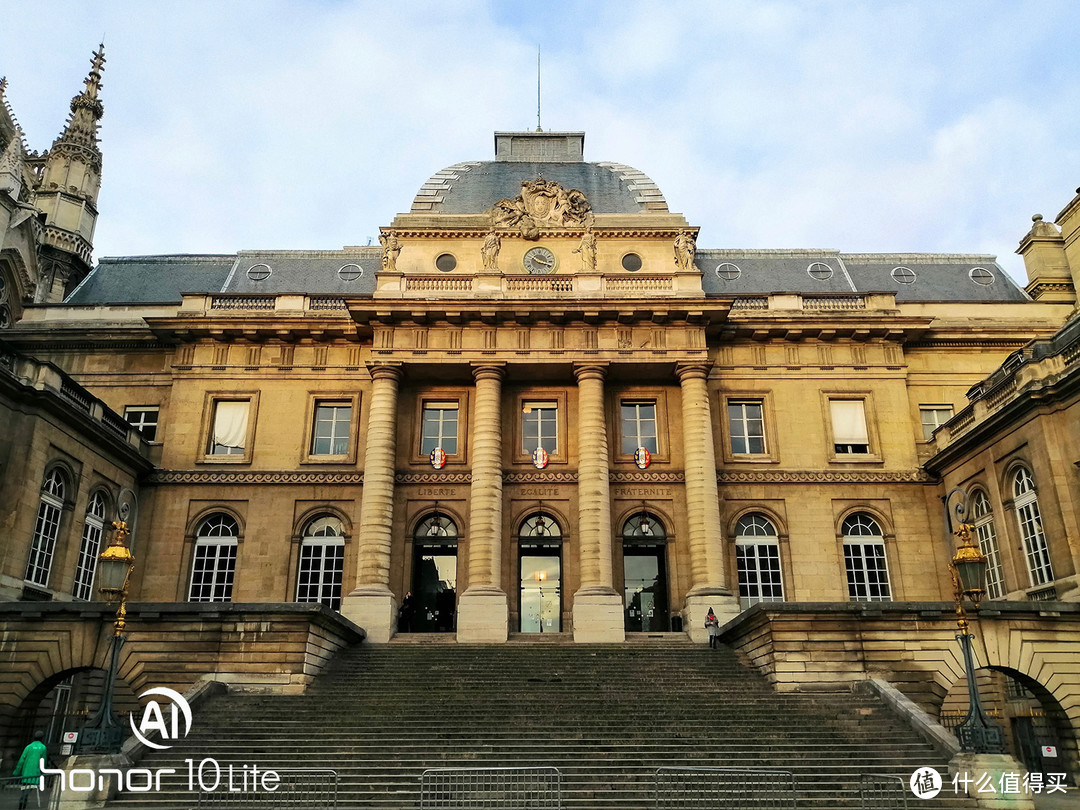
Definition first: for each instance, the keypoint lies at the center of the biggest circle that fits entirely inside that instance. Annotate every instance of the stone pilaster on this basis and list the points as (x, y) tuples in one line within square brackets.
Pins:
[(482, 608), (702, 506), (371, 604), (598, 610)]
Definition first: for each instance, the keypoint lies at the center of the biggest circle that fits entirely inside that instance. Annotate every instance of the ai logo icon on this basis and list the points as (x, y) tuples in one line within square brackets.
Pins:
[(153, 718), (925, 783)]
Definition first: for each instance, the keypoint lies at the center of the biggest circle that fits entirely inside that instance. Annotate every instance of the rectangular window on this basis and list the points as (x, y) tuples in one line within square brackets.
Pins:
[(144, 418), (746, 421), (867, 572), (212, 571), (321, 565), (229, 427), (759, 573), (933, 417), (540, 426), (330, 433), (849, 426), (639, 427), (439, 428), (1031, 530)]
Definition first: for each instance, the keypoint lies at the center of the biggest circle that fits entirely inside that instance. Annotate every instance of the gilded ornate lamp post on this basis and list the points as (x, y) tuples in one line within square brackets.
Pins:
[(977, 734), (103, 733)]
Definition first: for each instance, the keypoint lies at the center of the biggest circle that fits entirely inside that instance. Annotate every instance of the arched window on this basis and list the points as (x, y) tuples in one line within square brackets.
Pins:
[(539, 528), (46, 528), (89, 549), (757, 557), (322, 560), (434, 526), (864, 559), (644, 528), (1031, 529), (214, 563), (983, 517)]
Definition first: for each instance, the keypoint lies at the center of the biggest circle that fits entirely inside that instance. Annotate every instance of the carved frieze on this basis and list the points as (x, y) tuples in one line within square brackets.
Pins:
[(253, 477), (824, 477)]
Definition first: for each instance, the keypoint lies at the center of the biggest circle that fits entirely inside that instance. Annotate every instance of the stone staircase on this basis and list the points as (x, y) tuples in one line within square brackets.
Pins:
[(607, 716)]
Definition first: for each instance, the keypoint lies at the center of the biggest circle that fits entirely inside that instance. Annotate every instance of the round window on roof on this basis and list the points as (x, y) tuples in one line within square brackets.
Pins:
[(903, 275), (445, 262), (350, 272), (820, 271), (259, 272), (631, 262), (980, 275), (728, 271)]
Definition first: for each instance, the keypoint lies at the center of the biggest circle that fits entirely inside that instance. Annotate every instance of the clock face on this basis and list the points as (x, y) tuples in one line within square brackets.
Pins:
[(539, 260)]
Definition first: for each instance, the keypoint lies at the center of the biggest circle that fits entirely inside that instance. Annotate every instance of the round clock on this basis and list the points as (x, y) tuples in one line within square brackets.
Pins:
[(539, 260)]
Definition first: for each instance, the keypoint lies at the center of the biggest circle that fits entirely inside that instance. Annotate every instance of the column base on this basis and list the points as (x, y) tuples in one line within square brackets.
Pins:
[(696, 608), (482, 616), (598, 617), (975, 765), (375, 610)]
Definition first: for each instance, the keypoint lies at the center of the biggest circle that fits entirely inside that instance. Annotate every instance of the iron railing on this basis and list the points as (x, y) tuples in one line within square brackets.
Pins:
[(730, 788), (882, 792), (538, 788), (297, 789)]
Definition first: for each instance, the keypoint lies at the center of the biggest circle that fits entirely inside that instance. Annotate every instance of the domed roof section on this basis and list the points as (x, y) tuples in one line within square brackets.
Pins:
[(474, 187)]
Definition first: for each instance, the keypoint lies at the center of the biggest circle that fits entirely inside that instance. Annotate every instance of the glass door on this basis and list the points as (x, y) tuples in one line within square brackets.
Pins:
[(434, 589), (645, 589), (541, 590)]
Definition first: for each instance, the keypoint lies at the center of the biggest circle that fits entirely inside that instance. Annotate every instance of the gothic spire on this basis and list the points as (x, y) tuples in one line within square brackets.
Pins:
[(86, 108)]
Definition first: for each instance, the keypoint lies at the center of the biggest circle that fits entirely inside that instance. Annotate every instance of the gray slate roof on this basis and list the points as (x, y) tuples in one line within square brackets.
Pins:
[(473, 188), (164, 279), (937, 277)]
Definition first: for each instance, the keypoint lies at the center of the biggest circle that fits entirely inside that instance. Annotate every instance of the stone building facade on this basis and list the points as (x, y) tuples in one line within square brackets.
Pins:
[(537, 407)]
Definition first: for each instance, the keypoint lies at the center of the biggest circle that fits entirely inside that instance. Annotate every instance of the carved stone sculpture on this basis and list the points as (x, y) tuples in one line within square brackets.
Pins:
[(391, 248), (489, 252), (685, 248), (542, 202), (587, 249)]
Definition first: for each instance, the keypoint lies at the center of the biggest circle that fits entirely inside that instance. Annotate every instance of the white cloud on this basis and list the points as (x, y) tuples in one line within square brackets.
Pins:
[(887, 126)]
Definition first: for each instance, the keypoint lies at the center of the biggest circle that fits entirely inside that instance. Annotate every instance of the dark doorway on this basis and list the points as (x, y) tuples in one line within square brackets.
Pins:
[(434, 578), (645, 588)]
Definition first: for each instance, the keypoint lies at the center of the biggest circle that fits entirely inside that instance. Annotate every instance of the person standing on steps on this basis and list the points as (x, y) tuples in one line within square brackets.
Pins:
[(29, 767), (712, 624), (405, 614)]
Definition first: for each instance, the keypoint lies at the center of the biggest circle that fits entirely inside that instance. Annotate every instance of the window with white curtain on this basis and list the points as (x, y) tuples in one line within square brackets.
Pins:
[(849, 426), (1029, 517), (89, 549), (757, 558), (46, 528), (229, 429)]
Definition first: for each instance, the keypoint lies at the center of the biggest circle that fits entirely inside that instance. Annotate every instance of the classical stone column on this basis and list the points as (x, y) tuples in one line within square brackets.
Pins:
[(598, 610), (482, 608), (372, 605), (702, 506)]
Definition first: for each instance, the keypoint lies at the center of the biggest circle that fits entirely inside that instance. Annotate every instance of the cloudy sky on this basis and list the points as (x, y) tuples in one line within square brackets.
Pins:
[(861, 125)]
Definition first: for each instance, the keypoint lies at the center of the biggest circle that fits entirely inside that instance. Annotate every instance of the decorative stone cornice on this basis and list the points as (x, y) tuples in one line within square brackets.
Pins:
[(646, 477), (254, 477), (433, 478), (540, 478), (824, 477)]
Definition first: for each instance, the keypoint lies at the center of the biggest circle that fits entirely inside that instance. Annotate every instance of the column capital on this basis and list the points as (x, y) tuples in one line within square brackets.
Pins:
[(385, 371), (590, 371), (691, 371), (489, 371)]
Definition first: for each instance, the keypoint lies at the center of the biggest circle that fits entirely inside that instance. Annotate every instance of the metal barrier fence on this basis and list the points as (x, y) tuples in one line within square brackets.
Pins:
[(298, 789), (491, 789), (882, 792), (730, 788)]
